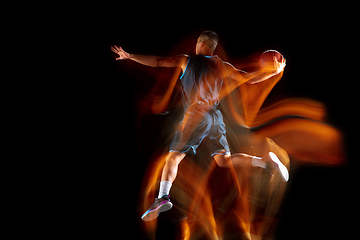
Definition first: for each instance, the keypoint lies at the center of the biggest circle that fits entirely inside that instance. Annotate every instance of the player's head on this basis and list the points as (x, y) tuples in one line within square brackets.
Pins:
[(207, 42)]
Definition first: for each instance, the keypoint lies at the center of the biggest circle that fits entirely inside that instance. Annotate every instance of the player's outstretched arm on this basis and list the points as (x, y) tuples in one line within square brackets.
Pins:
[(150, 60), (254, 77), (262, 76), (236, 74)]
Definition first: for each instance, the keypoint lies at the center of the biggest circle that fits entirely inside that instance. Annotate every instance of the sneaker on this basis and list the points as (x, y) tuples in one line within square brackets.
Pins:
[(277, 164), (160, 205)]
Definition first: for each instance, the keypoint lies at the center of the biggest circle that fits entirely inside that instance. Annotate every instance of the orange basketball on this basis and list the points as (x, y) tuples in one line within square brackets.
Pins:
[(266, 59)]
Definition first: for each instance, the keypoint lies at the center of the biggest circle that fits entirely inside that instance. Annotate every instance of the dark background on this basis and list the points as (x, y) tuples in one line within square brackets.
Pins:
[(318, 47)]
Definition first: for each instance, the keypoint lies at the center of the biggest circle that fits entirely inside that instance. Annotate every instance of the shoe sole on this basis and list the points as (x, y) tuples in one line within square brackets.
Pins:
[(153, 214), (284, 173)]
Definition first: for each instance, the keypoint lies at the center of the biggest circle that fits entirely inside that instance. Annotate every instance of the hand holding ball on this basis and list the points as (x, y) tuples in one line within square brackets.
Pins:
[(272, 59)]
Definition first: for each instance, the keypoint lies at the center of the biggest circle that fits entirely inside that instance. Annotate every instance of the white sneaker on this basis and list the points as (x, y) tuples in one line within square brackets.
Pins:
[(284, 173)]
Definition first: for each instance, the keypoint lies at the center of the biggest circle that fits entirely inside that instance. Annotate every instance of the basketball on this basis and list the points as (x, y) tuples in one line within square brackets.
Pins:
[(266, 59)]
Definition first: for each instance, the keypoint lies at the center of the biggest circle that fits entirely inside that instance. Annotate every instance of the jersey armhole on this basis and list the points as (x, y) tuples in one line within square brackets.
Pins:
[(185, 69)]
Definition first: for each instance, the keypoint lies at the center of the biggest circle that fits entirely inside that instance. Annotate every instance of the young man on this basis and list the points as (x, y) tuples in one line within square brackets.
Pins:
[(202, 80)]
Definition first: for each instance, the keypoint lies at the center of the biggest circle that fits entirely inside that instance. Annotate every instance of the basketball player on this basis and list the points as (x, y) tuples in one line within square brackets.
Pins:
[(202, 80)]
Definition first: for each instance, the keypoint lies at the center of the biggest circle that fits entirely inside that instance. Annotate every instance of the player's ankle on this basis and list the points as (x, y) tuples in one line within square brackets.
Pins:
[(258, 162)]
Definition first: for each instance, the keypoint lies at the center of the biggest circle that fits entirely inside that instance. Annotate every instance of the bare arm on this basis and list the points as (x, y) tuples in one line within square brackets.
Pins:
[(255, 77), (152, 61)]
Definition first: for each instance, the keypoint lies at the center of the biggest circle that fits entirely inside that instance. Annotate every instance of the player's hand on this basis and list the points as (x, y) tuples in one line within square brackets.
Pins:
[(279, 66), (122, 54)]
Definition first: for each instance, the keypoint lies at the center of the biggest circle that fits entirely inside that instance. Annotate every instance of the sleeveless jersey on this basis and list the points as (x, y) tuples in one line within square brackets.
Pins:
[(202, 81)]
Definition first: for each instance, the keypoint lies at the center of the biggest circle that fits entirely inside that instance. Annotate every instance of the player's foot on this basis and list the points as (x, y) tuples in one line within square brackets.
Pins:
[(277, 164), (160, 205)]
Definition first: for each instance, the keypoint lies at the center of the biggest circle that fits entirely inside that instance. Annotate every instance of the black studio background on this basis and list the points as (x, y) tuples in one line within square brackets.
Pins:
[(109, 173)]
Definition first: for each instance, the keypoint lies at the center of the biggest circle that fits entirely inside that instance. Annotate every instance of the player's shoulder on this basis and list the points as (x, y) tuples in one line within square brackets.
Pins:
[(180, 57), (229, 65), (184, 58)]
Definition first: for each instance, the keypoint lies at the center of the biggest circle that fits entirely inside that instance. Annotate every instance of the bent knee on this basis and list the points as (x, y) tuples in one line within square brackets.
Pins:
[(222, 160)]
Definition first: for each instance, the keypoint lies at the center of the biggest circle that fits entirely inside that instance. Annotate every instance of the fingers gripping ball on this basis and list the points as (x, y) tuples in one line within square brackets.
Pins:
[(268, 59)]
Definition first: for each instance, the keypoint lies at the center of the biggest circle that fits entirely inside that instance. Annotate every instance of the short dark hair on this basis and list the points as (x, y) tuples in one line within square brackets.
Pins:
[(210, 38)]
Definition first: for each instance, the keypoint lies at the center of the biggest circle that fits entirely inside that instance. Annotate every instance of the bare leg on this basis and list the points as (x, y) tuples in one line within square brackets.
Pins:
[(238, 160), (171, 166), (245, 160), (162, 202)]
